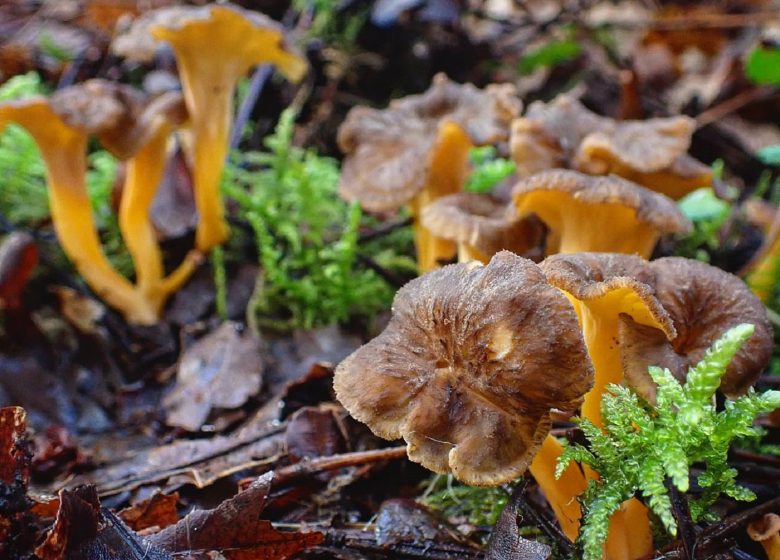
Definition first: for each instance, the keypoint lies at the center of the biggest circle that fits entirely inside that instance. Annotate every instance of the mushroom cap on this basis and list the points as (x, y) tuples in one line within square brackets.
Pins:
[(764, 528), (645, 146), (703, 302), (652, 152), (483, 222), (119, 115), (592, 276), (386, 149), (652, 209), (139, 41), (469, 367)]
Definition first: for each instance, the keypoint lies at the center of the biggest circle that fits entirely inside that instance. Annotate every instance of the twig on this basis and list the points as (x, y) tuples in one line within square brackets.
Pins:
[(733, 104), (259, 78), (683, 517), (384, 229), (308, 467), (390, 277)]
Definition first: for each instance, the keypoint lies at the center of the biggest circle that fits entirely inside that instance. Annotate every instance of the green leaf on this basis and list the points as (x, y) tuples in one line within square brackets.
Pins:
[(770, 155), (551, 54), (702, 204), (763, 66)]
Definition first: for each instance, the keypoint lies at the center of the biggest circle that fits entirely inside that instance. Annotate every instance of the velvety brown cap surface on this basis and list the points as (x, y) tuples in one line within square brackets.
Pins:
[(651, 208), (703, 302), (119, 115), (386, 150), (566, 132), (469, 367), (481, 221)]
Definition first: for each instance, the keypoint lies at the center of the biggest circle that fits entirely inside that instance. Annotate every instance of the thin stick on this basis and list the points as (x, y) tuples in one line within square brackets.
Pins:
[(311, 466)]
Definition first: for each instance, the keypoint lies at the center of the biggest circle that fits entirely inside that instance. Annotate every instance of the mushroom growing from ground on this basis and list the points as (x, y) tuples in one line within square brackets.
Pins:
[(604, 214), (468, 369), (702, 302), (416, 151), (766, 531), (652, 153), (63, 149), (214, 47), (138, 130), (482, 226)]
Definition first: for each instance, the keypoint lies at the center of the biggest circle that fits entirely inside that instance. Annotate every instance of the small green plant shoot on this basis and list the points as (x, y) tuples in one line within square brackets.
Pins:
[(305, 234), (642, 446), (487, 169)]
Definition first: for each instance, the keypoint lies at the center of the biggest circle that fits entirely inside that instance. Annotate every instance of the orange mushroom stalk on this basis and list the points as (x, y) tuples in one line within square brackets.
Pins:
[(607, 214), (64, 153), (416, 151), (214, 47)]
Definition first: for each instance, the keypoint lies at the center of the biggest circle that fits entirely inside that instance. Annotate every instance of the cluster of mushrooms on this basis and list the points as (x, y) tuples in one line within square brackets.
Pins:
[(553, 297), (141, 130)]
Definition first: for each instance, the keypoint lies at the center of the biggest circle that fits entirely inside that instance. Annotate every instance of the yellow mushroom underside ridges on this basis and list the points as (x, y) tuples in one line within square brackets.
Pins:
[(212, 55), (64, 153), (580, 226), (446, 174)]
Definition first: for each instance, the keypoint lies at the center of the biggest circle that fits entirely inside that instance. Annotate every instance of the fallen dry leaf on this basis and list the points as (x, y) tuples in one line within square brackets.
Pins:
[(235, 530), (14, 477), (18, 257), (221, 370), (83, 531), (159, 512), (505, 540)]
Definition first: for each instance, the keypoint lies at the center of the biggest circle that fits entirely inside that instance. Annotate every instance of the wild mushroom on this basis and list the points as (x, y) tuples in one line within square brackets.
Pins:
[(135, 129), (214, 47), (650, 152), (702, 302), (64, 153), (603, 287), (469, 367), (482, 226), (416, 151), (766, 531), (600, 214)]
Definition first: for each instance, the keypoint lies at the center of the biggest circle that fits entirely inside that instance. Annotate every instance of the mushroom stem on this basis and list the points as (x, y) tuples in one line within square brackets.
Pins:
[(63, 151), (447, 169), (561, 493), (212, 54), (766, 531), (468, 253), (144, 173)]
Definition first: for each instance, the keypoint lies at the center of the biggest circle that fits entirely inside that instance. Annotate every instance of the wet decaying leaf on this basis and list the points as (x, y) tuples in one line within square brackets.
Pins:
[(221, 370), (235, 529), (505, 540), (18, 257), (402, 520), (199, 462), (156, 513), (15, 527), (316, 432), (83, 531)]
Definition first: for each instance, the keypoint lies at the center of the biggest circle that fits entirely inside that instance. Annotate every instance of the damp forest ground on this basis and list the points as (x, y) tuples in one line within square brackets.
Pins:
[(224, 411)]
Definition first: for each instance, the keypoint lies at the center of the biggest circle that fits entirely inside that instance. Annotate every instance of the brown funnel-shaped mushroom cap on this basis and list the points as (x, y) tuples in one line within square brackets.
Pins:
[(650, 152), (606, 214), (603, 287), (703, 302), (386, 149), (467, 370), (482, 226), (120, 116)]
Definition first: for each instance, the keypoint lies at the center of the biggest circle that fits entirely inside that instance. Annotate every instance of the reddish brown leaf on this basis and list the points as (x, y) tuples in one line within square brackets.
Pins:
[(158, 511), (316, 432), (14, 477), (18, 257), (234, 529), (82, 531)]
